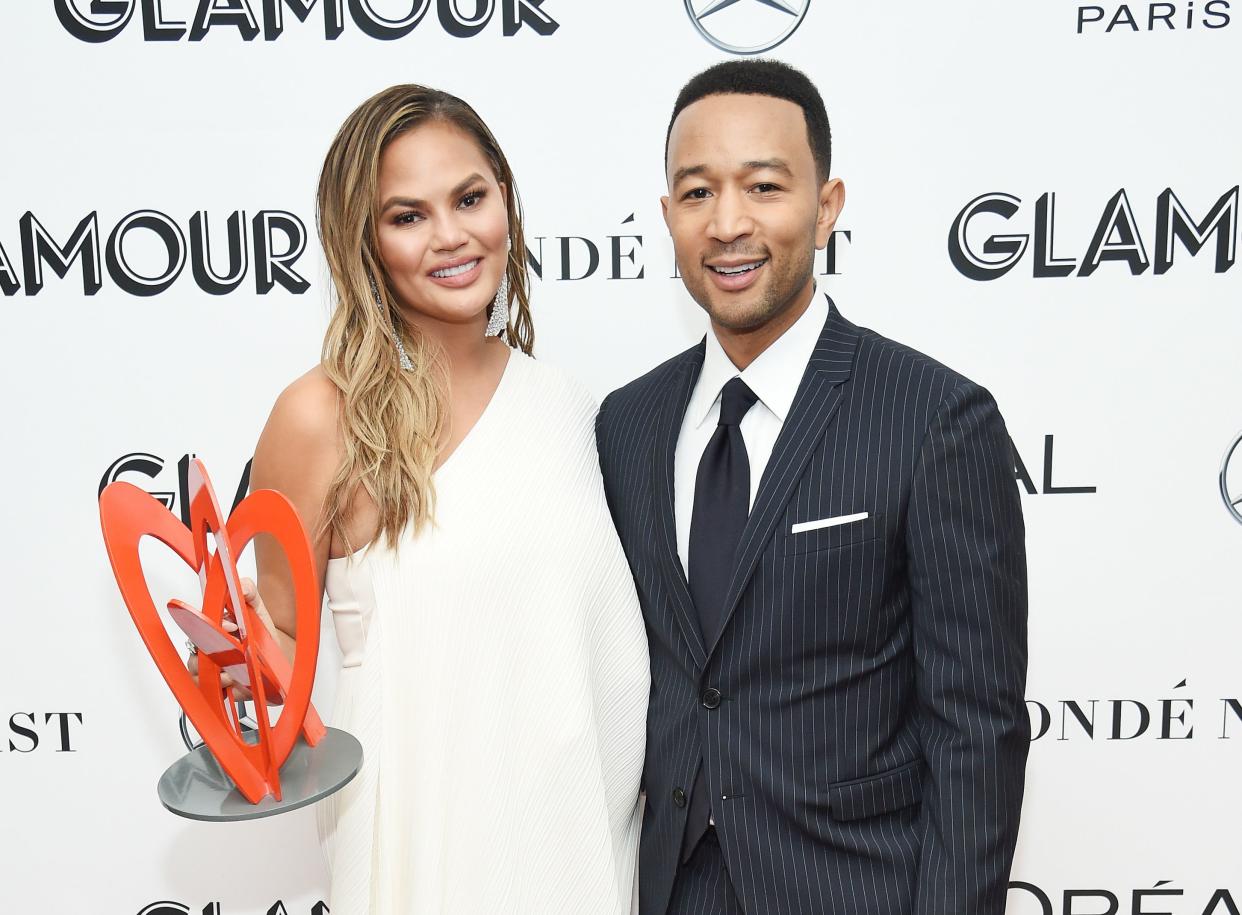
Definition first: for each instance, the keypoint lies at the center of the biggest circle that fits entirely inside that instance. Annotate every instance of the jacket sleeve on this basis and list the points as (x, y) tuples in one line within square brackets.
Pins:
[(967, 571), (601, 448)]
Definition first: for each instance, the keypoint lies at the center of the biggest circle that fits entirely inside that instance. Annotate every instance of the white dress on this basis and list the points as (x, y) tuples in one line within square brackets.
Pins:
[(495, 670)]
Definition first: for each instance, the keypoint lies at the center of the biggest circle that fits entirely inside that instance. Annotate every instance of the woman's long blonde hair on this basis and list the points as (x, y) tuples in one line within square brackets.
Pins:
[(392, 420)]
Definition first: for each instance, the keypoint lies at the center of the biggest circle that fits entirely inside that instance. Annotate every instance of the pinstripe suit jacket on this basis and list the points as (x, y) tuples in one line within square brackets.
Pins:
[(868, 755)]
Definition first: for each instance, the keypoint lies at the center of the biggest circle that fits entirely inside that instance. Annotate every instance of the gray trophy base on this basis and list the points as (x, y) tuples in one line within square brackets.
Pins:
[(196, 787)]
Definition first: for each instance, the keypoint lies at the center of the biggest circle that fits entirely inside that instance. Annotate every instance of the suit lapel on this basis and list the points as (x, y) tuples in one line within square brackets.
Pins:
[(819, 396), (668, 427)]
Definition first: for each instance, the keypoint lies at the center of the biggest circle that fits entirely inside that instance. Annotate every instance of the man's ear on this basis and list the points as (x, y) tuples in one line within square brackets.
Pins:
[(831, 202)]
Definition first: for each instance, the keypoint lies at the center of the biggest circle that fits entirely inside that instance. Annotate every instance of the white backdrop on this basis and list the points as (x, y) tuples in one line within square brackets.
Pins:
[(1134, 596)]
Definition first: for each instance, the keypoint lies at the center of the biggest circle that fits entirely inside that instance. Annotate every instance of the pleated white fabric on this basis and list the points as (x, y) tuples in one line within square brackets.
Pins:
[(496, 672)]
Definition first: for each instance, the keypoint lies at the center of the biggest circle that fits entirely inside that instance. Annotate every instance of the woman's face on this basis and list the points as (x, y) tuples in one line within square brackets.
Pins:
[(442, 225)]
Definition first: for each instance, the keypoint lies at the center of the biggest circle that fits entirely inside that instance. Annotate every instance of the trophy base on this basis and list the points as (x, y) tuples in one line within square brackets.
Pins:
[(197, 788)]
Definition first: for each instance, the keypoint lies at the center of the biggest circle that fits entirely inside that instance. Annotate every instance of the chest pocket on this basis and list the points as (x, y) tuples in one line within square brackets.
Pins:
[(830, 537)]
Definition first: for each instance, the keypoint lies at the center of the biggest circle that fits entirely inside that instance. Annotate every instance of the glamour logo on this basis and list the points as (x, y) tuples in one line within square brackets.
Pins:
[(747, 26), (1028, 899), (1177, 717), (52, 731), (174, 20), (147, 251), (1152, 17), (1231, 485), (214, 908), (1117, 236), (143, 464)]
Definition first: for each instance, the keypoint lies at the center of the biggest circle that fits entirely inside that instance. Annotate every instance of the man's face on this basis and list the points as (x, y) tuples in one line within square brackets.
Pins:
[(745, 208)]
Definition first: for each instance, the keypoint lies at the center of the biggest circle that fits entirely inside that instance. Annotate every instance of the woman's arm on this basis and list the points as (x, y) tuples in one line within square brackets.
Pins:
[(297, 455)]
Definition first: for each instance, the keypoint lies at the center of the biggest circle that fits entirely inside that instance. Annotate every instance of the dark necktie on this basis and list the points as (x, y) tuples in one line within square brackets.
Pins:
[(721, 507)]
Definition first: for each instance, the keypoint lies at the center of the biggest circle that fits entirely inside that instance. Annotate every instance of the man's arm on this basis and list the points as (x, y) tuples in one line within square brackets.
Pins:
[(601, 447), (967, 569)]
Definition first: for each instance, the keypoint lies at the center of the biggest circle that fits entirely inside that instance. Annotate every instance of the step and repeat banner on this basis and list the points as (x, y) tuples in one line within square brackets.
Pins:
[(1043, 195)]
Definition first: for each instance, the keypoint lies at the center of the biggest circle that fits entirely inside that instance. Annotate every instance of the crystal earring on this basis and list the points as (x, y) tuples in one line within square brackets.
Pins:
[(406, 363), (498, 322)]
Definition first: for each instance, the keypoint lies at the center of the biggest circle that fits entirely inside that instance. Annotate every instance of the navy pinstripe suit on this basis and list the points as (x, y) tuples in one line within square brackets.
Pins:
[(868, 755)]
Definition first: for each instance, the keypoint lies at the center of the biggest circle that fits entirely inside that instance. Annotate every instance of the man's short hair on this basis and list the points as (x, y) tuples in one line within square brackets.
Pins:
[(760, 76)]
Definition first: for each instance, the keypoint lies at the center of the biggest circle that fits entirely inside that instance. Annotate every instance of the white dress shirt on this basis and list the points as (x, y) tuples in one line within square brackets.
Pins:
[(774, 376)]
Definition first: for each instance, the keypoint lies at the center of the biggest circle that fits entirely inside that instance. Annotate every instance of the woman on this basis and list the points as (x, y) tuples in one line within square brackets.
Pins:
[(495, 663)]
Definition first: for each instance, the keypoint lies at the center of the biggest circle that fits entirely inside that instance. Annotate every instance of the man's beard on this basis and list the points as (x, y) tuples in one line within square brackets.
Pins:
[(788, 278)]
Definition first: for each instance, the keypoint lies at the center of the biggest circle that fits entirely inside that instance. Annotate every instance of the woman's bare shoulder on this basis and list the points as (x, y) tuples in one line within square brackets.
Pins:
[(306, 410), (302, 430)]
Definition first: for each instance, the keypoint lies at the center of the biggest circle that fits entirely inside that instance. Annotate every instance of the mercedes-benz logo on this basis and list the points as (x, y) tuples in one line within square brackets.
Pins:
[(747, 26), (1232, 492)]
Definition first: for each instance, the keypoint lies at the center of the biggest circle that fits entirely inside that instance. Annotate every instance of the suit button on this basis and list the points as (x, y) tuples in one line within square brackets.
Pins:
[(679, 797), (711, 698)]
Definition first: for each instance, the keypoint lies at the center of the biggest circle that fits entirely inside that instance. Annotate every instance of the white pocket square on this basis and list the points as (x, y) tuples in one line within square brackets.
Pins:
[(827, 522)]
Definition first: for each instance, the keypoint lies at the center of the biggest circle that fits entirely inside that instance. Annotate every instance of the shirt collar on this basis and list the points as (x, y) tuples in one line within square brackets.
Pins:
[(774, 375)]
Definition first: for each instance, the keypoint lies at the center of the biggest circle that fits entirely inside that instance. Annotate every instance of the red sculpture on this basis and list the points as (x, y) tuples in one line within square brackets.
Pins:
[(250, 655)]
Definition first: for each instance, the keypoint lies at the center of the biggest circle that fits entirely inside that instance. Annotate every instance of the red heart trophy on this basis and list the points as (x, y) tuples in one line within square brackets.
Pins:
[(232, 776)]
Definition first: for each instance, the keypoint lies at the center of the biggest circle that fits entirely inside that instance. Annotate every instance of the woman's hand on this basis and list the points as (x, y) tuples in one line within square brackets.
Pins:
[(249, 594)]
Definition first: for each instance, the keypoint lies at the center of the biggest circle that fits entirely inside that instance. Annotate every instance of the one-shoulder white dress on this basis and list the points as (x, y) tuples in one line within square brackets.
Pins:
[(495, 670)]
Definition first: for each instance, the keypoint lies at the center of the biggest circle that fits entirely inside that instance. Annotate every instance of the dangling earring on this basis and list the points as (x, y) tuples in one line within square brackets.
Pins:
[(498, 323), (404, 357)]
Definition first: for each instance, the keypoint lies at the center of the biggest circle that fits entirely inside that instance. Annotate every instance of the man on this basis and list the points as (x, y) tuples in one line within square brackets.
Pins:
[(825, 530)]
